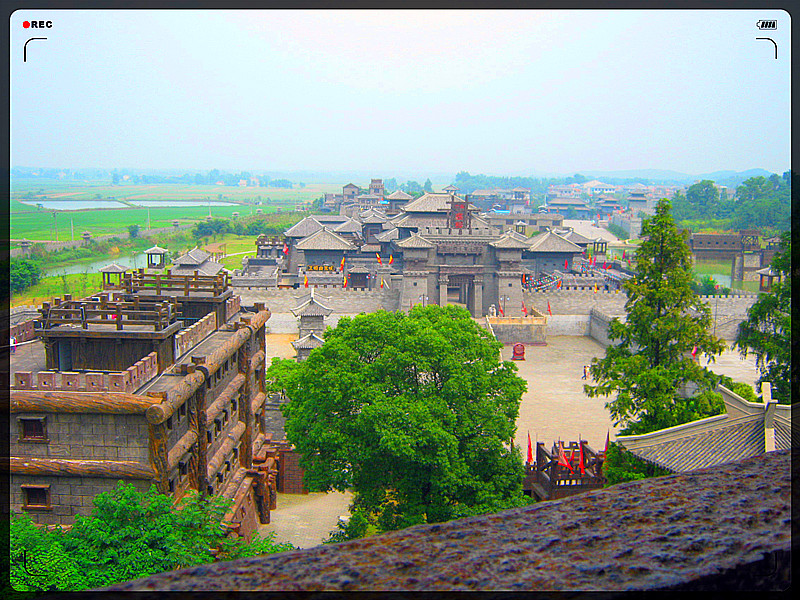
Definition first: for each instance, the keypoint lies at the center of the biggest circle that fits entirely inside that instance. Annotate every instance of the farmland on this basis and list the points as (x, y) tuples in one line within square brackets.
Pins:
[(28, 221)]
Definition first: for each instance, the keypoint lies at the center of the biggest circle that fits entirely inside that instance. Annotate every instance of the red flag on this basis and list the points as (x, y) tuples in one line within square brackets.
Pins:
[(694, 351), (306, 281), (580, 441), (558, 285), (380, 262), (595, 288), (381, 282), (530, 449), (623, 255), (285, 248), (604, 265), (344, 285), (500, 308), (562, 457), (391, 258), (341, 266), (548, 308), (566, 265), (524, 310), (606, 448)]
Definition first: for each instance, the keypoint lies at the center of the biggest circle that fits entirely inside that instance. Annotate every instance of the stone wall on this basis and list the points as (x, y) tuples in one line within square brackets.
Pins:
[(69, 496), (343, 301), (725, 528), (85, 436)]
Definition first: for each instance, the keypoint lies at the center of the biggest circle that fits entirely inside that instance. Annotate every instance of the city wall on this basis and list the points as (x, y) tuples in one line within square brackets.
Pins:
[(343, 301)]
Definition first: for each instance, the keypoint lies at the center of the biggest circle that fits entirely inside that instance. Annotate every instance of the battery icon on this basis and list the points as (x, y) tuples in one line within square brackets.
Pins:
[(767, 24)]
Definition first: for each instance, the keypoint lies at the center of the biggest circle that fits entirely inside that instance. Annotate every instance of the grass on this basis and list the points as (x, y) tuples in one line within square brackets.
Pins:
[(79, 285), (37, 224)]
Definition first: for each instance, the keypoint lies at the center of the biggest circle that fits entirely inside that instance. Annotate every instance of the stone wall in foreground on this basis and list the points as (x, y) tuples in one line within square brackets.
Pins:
[(726, 528)]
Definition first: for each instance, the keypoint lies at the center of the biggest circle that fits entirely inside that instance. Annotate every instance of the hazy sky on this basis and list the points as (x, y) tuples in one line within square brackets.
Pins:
[(514, 92)]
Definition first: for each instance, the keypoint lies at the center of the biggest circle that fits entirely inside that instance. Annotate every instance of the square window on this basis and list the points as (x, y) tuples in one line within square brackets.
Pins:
[(182, 410), (32, 430), (36, 496)]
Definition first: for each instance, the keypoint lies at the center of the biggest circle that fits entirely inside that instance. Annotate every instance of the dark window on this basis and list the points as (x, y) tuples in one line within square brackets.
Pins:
[(182, 410), (36, 496), (209, 437), (234, 405), (169, 423), (183, 468), (32, 430), (217, 426), (171, 484), (220, 477), (210, 490)]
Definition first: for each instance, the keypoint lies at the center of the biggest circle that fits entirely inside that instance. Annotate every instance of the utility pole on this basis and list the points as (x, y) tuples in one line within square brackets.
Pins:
[(55, 227)]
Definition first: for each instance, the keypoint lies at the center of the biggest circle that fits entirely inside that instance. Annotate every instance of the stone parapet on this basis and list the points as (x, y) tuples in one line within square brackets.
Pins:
[(191, 336), (127, 381), (725, 528)]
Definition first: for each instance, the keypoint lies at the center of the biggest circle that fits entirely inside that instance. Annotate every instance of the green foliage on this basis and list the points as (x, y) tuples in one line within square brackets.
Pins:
[(129, 535), (414, 412), (23, 273), (357, 526), (767, 331), (617, 231), (133, 230), (708, 286), (650, 365), (759, 203), (620, 466), (741, 389)]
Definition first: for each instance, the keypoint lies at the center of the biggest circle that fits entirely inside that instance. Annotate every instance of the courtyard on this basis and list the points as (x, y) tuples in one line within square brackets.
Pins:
[(553, 407)]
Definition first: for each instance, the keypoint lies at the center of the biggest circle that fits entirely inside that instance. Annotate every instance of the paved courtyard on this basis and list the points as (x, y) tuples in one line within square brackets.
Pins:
[(554, 407)]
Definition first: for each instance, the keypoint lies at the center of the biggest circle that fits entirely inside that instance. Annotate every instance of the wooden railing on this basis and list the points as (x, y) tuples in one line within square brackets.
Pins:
[(102, 311), (170, 284)]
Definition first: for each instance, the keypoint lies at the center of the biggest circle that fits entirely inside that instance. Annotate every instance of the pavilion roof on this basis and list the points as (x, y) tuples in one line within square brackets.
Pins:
[(308, 342), (324, 240), (304, 228), (415, 241), (551, 242)]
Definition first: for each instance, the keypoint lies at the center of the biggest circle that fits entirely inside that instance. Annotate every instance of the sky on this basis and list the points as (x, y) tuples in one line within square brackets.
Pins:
[(527, 92)]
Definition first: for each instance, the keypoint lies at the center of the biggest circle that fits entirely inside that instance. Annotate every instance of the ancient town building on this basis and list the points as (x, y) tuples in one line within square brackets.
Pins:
[(160, 382)]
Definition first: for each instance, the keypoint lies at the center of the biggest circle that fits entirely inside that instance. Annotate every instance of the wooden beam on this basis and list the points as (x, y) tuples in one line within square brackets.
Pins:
[(225, 397), (117, 403), (63, 467), (180, 448)]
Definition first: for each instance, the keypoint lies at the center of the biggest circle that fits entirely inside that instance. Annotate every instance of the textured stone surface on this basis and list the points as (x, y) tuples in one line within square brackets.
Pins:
[(708, 529)]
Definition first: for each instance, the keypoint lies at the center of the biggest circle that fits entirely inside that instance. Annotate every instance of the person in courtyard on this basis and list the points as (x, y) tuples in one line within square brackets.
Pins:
[(585, 372)]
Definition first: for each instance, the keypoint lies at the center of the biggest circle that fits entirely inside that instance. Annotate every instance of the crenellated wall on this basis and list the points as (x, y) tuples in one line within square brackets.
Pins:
[(128, 380), (191, 336), (343, 301)]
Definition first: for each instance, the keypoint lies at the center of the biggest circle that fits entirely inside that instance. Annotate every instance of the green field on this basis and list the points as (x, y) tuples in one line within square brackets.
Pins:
[(37, 224)]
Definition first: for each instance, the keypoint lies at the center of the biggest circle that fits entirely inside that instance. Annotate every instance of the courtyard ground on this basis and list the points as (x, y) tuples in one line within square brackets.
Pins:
[(554, 407)]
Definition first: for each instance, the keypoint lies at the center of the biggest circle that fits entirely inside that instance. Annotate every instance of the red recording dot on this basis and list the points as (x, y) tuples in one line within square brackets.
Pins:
[(26, 24)]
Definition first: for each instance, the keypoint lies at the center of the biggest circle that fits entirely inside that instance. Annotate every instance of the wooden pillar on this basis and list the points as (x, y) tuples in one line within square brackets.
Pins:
[(158, 454)]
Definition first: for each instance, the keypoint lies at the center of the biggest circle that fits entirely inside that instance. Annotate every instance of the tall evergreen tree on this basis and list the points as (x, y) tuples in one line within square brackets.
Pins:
[(651, 368)]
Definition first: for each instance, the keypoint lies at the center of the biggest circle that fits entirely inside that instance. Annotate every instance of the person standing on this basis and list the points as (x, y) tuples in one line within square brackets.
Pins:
[(13, 344), (585, 372)]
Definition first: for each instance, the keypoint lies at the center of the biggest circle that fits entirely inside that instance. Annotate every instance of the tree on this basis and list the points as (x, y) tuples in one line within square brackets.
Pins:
[(703, 197), (133, 230), (767, 331), (428, 186), (415, 412), (651, 368), (129, 535)]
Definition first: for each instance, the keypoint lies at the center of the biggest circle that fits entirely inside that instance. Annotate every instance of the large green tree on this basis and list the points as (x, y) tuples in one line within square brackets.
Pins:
[(650, 366), (767, 331), (416, 413)]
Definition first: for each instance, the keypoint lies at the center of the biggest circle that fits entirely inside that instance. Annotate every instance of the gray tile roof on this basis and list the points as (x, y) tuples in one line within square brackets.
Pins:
[(311, 308), (373, 216), (415, 241), (512, 240), (324, 240), (349, 226), (727, 444), (114, 268), (209, 267), (551, 242), (399, 195), (429, 203), (388, 235), (307, 342), (304, 228), (194, 256), (155, 250)]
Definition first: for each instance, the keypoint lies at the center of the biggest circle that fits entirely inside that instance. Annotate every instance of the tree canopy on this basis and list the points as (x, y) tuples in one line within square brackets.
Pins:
[(767, 331), (130, 534), (650, 367), (416, 413)]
